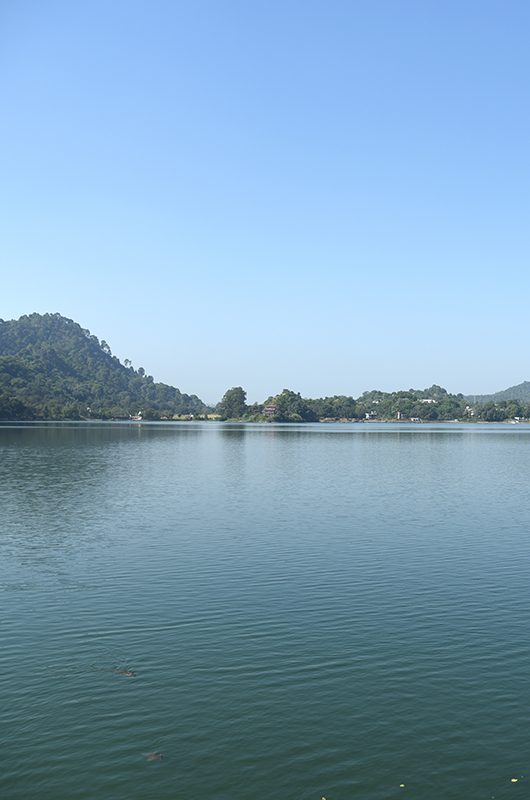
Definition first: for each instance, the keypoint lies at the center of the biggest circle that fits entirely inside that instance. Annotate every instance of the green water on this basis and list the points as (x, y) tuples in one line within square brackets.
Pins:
[(309, 610)]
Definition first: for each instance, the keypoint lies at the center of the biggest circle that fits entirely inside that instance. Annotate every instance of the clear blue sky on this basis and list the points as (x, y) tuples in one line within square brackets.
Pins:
[(327, 196)]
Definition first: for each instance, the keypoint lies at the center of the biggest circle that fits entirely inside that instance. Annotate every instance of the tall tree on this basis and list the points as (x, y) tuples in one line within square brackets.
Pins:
[(234, 403)]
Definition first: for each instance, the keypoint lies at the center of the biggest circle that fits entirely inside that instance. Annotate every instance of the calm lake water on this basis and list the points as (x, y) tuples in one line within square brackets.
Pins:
[(319, 610)]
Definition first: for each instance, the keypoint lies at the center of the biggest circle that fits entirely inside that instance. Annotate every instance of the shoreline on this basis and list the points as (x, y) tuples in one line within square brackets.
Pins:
[(269, 422)]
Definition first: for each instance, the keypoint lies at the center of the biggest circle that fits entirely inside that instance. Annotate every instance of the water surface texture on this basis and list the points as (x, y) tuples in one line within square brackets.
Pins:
[(309, 611)]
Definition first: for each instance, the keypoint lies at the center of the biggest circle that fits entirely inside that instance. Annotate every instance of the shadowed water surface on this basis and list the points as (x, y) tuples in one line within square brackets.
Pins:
[(276, 611)]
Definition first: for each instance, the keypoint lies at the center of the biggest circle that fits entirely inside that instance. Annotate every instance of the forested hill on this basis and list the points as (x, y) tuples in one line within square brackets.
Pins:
[(519, 392), (52, 368)]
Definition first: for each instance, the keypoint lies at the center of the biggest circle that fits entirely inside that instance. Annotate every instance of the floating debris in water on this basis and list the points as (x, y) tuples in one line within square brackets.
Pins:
[(401, 785), (126, 673), (153, 756), (515, 780)]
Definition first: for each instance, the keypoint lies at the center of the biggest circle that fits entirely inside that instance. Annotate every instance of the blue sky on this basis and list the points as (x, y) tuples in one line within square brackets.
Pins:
[(325, 196)]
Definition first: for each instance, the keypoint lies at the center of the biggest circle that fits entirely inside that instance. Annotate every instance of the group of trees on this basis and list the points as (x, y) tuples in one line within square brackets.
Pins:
[(520, 392), (504, 409), (433, 403), (288, 406), (51, 368), (425, 404)]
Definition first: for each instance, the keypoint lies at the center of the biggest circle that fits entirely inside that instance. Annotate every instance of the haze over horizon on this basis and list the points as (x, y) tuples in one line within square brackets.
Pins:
[(327, 197)]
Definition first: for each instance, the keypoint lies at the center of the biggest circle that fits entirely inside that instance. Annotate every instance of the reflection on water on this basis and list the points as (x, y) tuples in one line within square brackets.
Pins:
[(293, 611)]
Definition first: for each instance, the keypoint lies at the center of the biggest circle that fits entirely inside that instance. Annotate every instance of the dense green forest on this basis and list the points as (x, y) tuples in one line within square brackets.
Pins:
[(52, 368), (288, 406), (519, 392), (421, 405)]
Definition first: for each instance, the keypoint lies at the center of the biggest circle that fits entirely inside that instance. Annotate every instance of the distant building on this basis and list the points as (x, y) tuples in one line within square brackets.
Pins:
[(270, 410)]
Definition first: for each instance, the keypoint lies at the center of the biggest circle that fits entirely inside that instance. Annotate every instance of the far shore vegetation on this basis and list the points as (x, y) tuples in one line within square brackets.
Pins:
[(52, 369)]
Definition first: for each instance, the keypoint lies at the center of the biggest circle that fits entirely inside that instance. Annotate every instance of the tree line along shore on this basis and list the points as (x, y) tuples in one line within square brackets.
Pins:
[(53, 369)]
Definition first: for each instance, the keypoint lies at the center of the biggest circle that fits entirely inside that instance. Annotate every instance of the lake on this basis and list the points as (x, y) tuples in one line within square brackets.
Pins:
[(309, 611)]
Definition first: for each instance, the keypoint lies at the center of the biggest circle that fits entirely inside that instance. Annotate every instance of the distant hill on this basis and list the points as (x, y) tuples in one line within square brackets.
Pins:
[(519, 392), (52, 368)]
